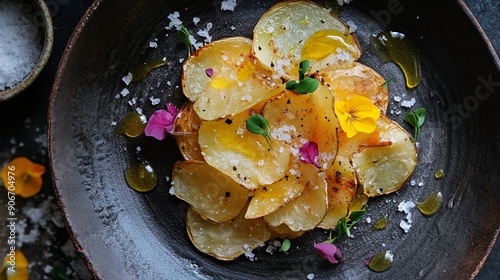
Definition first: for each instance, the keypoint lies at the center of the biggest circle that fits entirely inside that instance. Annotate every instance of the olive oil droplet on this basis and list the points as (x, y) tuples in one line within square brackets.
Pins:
[(381, 223), (439, 174), (431, 204), (139, 72), (132, 125), (394, 46), (141, 177), (381, 261)]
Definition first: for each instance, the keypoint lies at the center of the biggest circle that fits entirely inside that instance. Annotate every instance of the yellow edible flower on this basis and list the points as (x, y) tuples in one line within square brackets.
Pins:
[(357, 114), (22, 177), (15, 266)]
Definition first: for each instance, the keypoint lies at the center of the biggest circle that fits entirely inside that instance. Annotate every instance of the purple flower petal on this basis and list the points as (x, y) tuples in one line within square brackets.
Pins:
[(209, 72), (309, 152), (328, 252)]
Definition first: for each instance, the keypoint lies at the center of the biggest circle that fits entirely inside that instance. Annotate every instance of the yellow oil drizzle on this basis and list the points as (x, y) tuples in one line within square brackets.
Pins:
[(325, 42), (396, 47), (141, 177), (132, 125)]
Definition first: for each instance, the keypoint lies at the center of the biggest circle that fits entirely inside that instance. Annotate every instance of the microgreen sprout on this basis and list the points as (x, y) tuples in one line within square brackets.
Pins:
[(416, 119), (384, 84), (285, 245), (345, 224), (183, 37), (257, 124), (305, 84)]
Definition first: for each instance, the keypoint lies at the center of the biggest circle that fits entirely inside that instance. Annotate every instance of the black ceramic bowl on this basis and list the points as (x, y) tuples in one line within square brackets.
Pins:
[(123, 234)]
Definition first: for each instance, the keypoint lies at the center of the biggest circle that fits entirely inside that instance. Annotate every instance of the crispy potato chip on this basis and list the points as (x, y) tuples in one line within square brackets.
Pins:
[(300, 118), (270, 198), (187, 124), (292, 31), (342, 184), (211, 193), (229, 240), (306, 211), (246, 157), (352, 79), (385, 169), (234, 84), (283, 231)]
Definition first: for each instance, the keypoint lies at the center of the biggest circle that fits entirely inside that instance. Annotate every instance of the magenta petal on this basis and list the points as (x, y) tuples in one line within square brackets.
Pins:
[(309, 152), (328, 252), (209, 72), (157, 123), (172, 109)]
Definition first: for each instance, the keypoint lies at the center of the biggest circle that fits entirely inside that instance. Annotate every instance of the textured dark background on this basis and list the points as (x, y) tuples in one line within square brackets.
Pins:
[(23, 126)]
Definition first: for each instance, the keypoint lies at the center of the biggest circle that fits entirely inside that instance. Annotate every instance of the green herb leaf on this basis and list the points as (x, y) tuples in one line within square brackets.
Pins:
[(291, 85), (285, 246), (303, 68), (257, 124), (344, 227), (307, 85), (387, 82), (183, 37), (416, 119), (59, 271)]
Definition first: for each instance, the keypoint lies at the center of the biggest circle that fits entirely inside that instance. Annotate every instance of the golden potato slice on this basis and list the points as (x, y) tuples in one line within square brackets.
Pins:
[(342, 184), (292, 31), (236, 83), (351, 79), (301, 118), (385, 169), (270, 198), (283, 231), (246, 157), (229, 240), (187, 124), (359, 202), (306, 211), (211, 193)]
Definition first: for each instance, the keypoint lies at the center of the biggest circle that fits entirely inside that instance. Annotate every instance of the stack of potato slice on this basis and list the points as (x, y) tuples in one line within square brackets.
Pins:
[(243, 191)]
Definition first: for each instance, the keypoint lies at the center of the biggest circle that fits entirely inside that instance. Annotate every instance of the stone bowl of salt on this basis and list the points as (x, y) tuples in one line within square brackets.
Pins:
[(26, 41)]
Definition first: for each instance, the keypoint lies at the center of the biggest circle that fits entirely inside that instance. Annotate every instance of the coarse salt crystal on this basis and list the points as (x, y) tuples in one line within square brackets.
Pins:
[(196, 20), (408, 103), (310, 276), (124, 92), (127, 79), (155, 101), (228, 5), (153, 45)]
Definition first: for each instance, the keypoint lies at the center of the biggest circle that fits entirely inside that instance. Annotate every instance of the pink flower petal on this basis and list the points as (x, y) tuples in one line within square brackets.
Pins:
[(209, 72), (309, 152), (328, 252), (157, 123)]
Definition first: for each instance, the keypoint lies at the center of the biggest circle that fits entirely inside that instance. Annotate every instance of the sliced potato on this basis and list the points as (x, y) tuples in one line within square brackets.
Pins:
[(385, 169), (306, 211), (187, 124), (246, 157), (292, 31), (236, 84), (342, 184), (351, 79), (211, 193), (229, 240), (283, 231), (270, 198), (300, 118), (359, 202)]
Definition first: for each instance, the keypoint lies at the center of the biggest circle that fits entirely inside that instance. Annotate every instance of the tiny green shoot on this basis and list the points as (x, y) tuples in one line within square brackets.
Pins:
[(345, 224), (384, 84), (183, 37), (305, 84), (285, 246), (416, 119), (257, 124)]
